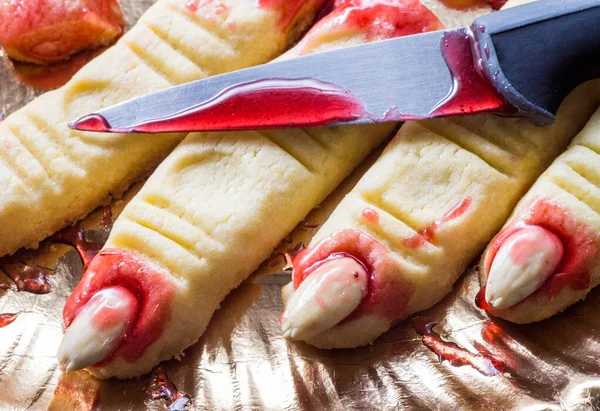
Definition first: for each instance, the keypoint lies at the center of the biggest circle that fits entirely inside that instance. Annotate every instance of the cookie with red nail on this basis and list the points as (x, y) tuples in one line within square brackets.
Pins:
[(547, 257)]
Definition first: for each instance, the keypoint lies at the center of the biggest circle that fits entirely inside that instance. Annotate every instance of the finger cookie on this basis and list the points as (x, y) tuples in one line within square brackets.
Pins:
[(547, 256)]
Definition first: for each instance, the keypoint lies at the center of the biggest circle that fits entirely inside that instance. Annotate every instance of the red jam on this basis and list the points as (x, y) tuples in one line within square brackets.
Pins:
[(7, 319), (154, 292), (457, 356), (469, 4), (377, 19), (219, 8), (161, 387), (480, 300), (288, 9), (389, 290), (370, 215), (28, 276), (580, 244), (270, 103), (471, 91), (427, 234)]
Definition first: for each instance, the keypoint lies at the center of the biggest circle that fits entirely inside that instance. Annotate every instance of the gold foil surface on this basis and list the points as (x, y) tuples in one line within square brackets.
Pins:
[(469, 362)]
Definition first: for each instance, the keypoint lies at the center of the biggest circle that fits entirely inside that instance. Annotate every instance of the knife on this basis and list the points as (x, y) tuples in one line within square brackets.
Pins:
[(520, 61)]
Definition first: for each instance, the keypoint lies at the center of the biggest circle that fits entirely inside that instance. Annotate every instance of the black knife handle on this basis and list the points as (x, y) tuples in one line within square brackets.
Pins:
[(536, 54)]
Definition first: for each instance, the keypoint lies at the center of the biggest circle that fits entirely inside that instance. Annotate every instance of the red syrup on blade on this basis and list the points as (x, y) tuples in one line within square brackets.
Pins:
[(457, 356), (7, 319), (471, 91), (470, 4), (272, 103), (161, 387)]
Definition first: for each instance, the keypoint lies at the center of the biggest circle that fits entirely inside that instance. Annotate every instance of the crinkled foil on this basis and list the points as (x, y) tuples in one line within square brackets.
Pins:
[(469, 361)]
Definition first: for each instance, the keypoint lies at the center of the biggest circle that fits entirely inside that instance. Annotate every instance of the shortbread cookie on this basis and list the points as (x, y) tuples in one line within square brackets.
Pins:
[(51, 175), (547, 256), (205, 220)]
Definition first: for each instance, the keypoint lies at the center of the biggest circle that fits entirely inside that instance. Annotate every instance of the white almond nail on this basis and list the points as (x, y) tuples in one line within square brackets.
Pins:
[(523, 263), (96, 331), (324, 298)]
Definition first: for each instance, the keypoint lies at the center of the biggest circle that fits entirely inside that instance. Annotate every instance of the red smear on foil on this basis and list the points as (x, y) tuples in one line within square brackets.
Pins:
[(456, 356), (27, 275), (162, 388), (33, 278), (154, 292), (7, 319), (427, 234), (75, 237)]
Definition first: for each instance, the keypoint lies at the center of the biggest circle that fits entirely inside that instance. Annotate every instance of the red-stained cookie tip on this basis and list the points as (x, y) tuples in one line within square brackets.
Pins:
[(126, 270)]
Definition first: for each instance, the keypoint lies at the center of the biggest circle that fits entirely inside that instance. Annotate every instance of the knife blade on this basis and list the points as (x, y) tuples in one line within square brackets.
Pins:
[(521, 61)]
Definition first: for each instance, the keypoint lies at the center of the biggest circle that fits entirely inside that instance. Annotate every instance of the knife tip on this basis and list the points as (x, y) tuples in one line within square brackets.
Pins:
[(91, 122)]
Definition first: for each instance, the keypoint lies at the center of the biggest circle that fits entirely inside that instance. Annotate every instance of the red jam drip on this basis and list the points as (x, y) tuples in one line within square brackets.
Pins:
[(580, 245), (470, 4), (480, 300), (75, 237), (194, 5), (7, 319), (33, 278), (456, 356), (370, 215), (471, 91), (389, 290), (27, 275), (154, 292), (377, 19), (427, 234), (162, 388), (271, 103), (287, 9)]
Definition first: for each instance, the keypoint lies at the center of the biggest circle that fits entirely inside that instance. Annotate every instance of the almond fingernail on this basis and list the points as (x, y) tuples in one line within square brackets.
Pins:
[(523, 263), (327, 296)]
